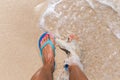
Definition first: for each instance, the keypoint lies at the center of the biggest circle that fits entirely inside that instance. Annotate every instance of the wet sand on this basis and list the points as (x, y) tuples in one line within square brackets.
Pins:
[(98, 27)]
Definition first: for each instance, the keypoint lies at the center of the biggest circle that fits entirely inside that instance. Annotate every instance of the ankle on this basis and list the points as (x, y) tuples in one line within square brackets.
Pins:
[(72, 67), (49, 67)]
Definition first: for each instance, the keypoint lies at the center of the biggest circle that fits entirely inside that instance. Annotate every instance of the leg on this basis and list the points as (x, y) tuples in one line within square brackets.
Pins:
[(75, 66), (43, 74), (75, 73), (46, 72)]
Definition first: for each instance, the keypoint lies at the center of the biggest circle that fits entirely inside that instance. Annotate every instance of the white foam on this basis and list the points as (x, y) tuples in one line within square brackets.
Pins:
[(108, 3), (50, 9), (115, 28), (118, 35), (114, 4), (39, 6), (74, 58), (90, 3)]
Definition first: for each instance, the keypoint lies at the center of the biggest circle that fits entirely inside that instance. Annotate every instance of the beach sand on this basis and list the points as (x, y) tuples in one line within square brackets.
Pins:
[(19, 53), (20, 31), (19, 34)]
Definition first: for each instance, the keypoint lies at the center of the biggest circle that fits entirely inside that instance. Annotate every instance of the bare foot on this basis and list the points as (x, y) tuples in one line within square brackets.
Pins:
[(72, 37), (69, 46)]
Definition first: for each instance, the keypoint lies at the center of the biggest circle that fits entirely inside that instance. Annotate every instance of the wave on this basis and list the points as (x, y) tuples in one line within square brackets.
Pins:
[(94, 21), (61, 20)]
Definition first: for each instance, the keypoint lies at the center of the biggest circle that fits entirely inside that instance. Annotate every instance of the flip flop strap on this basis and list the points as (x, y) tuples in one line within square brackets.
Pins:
[(42, 36), (46, 43)]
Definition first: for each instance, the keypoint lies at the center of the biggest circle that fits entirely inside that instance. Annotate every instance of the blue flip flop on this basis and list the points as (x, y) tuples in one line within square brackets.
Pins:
[(46, 43)]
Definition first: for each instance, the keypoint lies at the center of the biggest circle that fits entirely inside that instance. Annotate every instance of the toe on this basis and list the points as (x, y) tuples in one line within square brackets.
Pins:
[(44, 40), (46, 37)]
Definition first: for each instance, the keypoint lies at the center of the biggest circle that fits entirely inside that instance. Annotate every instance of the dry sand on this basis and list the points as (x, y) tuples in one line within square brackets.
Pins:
[(19, 33), (19, 54)]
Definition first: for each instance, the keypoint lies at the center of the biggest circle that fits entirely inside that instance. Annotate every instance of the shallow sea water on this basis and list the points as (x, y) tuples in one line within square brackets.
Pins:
[(97, 23)]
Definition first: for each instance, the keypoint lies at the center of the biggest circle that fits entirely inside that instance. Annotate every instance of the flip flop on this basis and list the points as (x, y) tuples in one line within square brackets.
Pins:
[(45, 43)]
